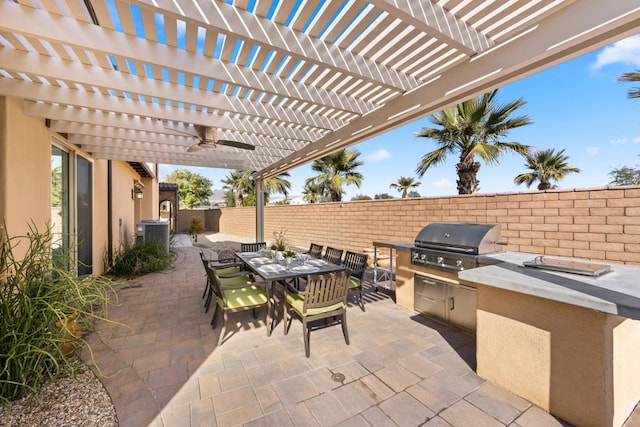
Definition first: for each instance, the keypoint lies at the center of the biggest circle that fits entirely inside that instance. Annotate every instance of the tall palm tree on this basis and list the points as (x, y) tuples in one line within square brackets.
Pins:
[(276, 184), (335, 171), (239, 182), (631, 77), (404, 184), (545, 166), (312, 192), (474, 128)]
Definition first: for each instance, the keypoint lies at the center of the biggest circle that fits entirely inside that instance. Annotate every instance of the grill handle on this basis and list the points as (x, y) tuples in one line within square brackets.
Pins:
[(446, 248)]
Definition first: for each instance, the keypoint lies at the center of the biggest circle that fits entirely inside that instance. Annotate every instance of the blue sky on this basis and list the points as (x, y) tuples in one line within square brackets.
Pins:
[(579, 106)]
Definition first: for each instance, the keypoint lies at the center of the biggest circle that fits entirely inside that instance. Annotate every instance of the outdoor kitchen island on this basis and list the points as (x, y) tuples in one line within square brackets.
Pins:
[(567, 342)]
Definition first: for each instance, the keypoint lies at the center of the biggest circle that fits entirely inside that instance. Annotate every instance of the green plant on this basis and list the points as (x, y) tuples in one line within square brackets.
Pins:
[(143, 258), (43, 307), (280, 242), (289, 254), (196, 225)]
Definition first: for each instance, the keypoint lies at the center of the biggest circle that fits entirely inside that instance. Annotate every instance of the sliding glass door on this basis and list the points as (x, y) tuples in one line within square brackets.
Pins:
[(60, 218), (84, 215), (72, 207)]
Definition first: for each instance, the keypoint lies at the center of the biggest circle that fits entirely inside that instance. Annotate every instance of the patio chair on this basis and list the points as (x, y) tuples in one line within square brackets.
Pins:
[(333, 255), (356, 265), (324, 297), (226, 267), (235, 294), (252, 247), (315, 250)]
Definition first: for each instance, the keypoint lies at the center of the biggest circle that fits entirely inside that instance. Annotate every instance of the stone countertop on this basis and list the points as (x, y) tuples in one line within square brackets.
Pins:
[(616, 292)]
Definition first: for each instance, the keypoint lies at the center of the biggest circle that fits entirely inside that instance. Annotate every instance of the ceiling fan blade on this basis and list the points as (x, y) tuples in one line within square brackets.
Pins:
[(194, 148), (236, 144)]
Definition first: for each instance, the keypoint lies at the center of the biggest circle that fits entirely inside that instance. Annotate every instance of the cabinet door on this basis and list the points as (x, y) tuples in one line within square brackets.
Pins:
[(462, 307), (430, 297)]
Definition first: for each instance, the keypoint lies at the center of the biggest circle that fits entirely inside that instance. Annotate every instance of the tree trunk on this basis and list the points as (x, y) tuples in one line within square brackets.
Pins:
[(468, 177), (544, 184), (404, 194), (239, 200)]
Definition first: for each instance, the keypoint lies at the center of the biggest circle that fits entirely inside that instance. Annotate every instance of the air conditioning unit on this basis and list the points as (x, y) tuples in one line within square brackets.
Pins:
[(154, 230)]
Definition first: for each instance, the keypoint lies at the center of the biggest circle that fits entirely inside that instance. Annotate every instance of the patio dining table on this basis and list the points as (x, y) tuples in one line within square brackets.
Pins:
[(273, 271)]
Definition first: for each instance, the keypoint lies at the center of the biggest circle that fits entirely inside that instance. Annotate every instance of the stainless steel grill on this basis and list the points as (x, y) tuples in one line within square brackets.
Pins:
[(450, 246), (455, 245)]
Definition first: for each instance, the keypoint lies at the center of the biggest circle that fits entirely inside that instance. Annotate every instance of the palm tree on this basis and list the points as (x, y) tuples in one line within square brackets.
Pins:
[(545, 166), (473, 128), (239, 182), (336, 170), (312, 192), (276, 184), (631, 77), (404, 184)]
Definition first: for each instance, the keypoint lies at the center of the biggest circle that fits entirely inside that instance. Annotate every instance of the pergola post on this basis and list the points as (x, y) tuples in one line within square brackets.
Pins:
[(259, 210)]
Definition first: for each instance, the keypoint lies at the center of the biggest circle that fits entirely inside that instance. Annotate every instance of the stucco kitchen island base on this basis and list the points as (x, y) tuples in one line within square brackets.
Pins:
[(579, 364), (568, 343)]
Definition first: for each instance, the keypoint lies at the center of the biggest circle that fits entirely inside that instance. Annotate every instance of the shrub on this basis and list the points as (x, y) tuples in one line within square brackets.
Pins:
[(143, 258), (41, 304), (196, 225)]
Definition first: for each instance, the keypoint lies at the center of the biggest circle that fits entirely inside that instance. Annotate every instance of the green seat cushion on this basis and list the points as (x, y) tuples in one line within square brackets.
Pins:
[(227, 271), (235, 281), (354, 282), (297, 302), (244, 297)]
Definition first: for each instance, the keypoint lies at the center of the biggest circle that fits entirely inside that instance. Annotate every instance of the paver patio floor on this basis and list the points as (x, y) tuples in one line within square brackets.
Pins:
[(164, 368)]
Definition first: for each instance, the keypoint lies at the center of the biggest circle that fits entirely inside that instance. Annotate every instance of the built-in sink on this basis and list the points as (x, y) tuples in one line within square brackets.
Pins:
[(568, 266)]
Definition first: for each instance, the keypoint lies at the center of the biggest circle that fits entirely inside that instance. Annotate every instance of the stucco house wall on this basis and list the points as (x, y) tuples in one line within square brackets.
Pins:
[(25, 170), (25, 184)]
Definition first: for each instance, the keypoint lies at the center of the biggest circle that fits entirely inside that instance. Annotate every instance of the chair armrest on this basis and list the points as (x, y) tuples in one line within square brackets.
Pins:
[(355, 271), (217, 264)]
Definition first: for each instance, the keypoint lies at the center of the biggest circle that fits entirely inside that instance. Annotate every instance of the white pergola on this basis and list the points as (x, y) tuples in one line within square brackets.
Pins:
[(298, 79)]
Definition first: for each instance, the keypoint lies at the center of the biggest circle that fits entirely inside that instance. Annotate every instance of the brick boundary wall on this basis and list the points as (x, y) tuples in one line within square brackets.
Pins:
[(601, 224)]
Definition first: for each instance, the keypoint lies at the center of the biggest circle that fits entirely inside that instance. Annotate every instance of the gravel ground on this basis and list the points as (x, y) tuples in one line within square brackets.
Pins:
[(80, 401), (64, 402)]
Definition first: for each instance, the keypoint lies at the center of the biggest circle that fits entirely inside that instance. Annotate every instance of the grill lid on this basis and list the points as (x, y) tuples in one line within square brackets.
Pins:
[(461, 237)]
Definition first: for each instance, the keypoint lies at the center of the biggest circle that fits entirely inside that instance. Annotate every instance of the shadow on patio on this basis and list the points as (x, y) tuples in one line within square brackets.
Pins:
[(400, 369)]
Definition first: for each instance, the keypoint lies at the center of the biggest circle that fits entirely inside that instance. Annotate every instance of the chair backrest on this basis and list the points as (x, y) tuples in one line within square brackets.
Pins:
[(204, 260), (325, 290), (214, 280), (252, 247), (315, 250), (333, 255), (355, 263)]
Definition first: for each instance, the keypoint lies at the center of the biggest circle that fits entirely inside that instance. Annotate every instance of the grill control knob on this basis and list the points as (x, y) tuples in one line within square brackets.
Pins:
[(440, 260), (423, 256), (459, 264)]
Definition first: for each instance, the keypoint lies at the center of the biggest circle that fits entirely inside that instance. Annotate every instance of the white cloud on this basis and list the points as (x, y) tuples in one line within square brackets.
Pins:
[(442, 183), (379, 155), (592, 150), (636, 139), (619, 141), (625, 51)]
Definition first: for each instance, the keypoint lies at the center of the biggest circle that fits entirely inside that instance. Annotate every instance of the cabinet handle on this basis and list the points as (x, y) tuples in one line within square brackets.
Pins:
[(429, 282), (429, 299), (451, 304)]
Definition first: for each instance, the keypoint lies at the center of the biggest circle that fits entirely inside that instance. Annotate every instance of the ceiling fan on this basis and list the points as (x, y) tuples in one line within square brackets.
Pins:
[(207, 139)]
